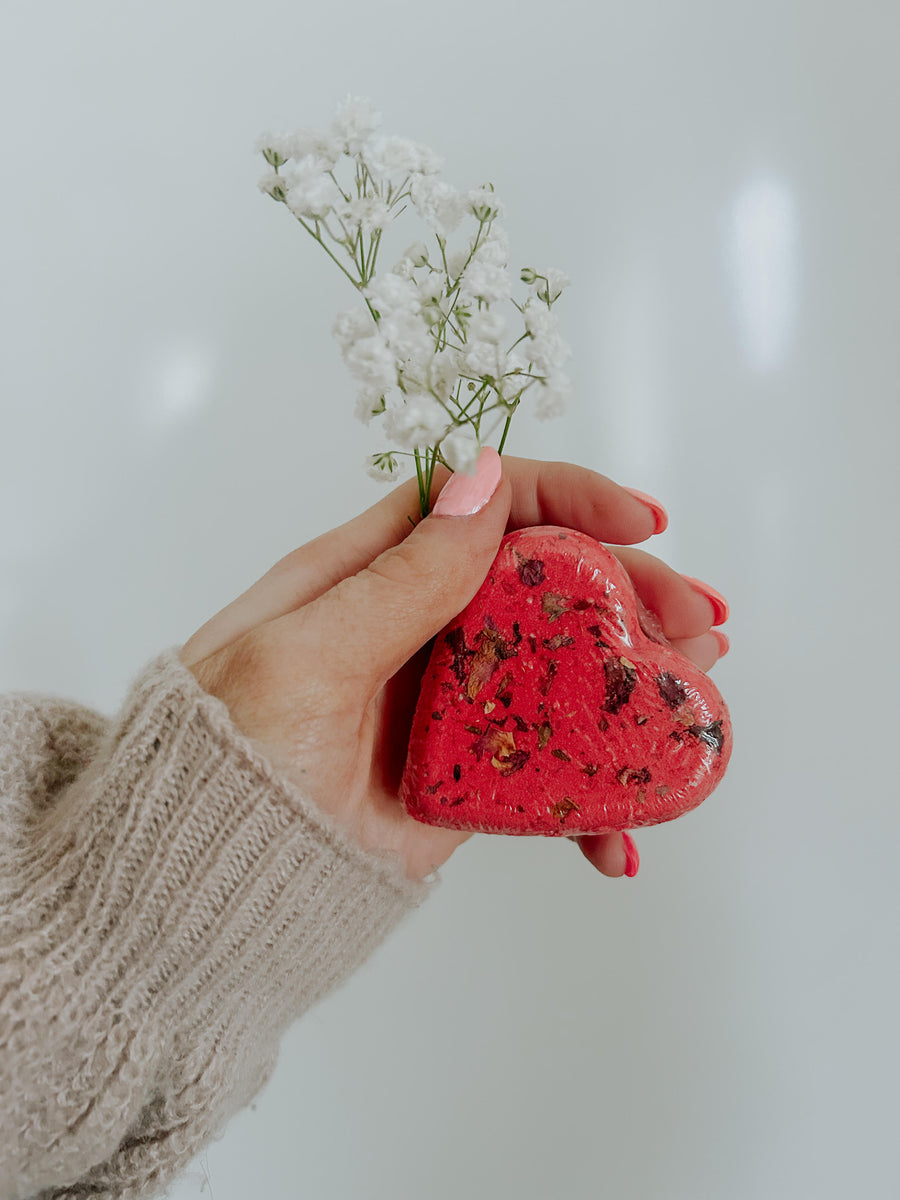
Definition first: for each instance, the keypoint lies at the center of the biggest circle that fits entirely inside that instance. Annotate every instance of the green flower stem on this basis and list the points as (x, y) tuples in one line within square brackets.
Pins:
[(423, 494), (313, 235), (374, 243), (339, 188), (401, 195), (440, 337), (479, 395), (442, 243), (432, 462), (505, 431)]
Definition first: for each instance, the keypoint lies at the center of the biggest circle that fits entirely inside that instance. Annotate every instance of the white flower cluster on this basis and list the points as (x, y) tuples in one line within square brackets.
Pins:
[(430, 348)]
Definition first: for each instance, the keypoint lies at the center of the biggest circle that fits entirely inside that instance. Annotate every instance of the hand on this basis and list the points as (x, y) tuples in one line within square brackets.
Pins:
[(319, 662)]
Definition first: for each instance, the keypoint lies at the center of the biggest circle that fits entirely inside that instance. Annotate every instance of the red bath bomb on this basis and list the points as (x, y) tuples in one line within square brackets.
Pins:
[(548, 708)]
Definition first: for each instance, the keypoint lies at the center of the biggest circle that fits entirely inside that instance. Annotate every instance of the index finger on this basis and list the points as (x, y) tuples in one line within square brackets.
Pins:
[(561, 493)]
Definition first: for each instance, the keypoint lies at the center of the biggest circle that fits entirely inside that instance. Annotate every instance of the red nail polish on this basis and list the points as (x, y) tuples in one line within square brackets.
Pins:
[(632, 858), (724, 644), (716, 599), (659, 513)]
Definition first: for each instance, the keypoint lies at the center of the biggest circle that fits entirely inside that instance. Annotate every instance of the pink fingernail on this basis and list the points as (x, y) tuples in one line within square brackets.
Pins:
[(659, 513), (724, 644), (464, 495), (716, 599), (632, 858)]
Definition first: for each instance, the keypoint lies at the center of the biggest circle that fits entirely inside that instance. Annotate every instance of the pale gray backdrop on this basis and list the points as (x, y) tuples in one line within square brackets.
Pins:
[(721, 181)]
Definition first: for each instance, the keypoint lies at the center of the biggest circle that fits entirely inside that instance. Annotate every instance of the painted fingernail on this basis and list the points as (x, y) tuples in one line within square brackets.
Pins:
[(724, 644), (632, 858), (464, 495), (716, 599), (659, 513)]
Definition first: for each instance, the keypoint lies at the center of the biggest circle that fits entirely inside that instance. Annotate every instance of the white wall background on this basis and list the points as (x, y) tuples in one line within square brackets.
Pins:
[(722, 183)]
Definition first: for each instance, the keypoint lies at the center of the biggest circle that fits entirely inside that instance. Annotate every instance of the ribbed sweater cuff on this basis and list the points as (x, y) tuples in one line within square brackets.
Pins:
[(187, 903), (237, 877)]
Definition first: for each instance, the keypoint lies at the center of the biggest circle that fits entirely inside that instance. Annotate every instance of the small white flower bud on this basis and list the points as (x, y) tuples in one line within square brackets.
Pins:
[(369, 403), (420, 421), (460, 450), (396, 156), (438, 203), (486, 326), (273, 185), (385, 467), (552, 395), (276, 148), (484, 281), (355, 120), (484, 203), (370, 360)]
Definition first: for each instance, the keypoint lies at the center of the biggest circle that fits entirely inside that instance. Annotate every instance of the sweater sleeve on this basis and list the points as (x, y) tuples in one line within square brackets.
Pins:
[(169, 904)]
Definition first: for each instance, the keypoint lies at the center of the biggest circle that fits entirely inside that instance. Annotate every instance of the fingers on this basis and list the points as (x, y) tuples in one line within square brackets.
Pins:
[(559, 493), (704, 651), (686, 609), (683, 611), (553, 493), (613, 854)]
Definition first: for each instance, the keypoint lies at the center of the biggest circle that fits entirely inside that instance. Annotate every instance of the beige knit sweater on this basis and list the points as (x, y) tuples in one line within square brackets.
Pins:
[(169, 904)]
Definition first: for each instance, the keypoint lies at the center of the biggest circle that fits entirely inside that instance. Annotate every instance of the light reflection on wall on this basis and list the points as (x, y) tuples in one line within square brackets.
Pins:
[(181, 382), (762, 255)]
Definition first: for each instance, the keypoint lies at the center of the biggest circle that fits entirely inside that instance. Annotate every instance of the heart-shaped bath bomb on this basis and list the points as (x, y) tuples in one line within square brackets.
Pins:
[(548, 707)]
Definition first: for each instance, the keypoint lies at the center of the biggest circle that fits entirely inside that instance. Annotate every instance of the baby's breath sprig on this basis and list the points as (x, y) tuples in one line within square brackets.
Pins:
[(430, 349)]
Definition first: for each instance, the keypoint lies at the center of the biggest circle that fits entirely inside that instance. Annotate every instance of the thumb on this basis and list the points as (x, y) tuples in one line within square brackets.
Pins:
[(390, 609)]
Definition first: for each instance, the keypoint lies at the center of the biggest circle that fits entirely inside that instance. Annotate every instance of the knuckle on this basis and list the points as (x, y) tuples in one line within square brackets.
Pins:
[(243, 667), (399, 568)]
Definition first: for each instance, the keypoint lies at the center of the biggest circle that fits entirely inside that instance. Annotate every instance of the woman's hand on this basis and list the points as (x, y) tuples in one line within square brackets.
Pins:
[(319, 662)]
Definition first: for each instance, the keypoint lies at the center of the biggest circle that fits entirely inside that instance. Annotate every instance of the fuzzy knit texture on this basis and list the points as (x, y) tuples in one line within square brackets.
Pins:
[(169, 905)]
